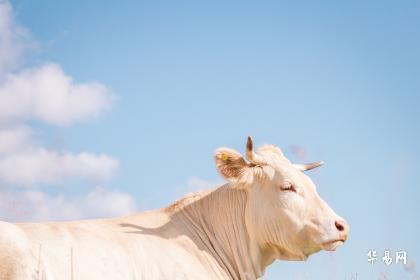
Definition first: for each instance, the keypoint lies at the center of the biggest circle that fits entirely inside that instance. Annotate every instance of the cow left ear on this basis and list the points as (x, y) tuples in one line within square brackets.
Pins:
[(230, 164)]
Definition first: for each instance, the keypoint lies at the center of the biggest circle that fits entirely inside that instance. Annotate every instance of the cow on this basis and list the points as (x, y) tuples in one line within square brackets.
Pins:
[(267, 210)]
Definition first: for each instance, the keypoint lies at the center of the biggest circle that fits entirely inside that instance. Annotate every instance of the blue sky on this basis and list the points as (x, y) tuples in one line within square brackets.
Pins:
[(338, 80)]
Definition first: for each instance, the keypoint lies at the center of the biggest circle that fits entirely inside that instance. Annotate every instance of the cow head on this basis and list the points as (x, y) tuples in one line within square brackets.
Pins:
[(284, 213)]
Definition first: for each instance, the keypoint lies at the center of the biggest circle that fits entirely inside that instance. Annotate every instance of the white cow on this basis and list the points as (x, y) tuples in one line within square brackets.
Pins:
[(269, 209)]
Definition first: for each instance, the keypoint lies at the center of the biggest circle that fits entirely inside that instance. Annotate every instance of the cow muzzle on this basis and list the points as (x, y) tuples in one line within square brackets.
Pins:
[(342, 229)]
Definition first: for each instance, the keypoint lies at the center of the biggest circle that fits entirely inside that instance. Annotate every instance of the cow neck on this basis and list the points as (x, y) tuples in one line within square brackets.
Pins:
[(217, 223)]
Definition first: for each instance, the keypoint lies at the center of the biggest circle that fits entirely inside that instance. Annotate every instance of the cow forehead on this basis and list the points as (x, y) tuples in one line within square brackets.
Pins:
[(276, 159), (272, 154)]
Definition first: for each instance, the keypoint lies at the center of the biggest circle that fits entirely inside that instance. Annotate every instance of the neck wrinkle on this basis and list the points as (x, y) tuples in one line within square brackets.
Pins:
[(217, 220)]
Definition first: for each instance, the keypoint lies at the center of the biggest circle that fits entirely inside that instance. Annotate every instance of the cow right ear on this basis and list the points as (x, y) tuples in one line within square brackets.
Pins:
[(230, 164)]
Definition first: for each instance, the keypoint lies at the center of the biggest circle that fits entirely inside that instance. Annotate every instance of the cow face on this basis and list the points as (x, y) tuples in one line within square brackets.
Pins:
[(284, 213)]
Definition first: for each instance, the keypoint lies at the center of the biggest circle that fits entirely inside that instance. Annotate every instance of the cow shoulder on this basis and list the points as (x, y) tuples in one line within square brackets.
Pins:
[(13, 251)]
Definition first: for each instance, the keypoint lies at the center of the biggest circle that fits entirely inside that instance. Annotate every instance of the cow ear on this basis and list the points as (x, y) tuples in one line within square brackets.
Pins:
[(230, 164)]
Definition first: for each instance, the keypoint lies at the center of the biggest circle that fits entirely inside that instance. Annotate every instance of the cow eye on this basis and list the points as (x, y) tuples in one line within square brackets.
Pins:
[(287, 186)]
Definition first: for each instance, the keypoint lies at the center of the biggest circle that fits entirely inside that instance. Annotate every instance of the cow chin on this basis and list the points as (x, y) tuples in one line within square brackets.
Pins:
[(332, 245)]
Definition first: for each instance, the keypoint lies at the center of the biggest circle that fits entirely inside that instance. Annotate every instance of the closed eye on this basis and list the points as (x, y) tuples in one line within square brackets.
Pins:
[(287, 186)]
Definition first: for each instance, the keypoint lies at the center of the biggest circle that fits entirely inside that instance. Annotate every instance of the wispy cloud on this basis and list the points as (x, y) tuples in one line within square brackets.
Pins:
[(14, 40), (198, 184), (195, 184)]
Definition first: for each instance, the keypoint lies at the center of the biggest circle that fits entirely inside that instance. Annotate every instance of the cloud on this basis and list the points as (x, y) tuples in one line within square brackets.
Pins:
[(44, 93), (44, 166), (24, 163), (47, 94), (37, 206), (14, 39), (193, 185), (14, 139)]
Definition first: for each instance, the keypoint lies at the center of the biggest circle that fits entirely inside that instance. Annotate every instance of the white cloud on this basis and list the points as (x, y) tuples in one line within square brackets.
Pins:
[(49, 95), (38, 206), (14, 139), (24, 163), (45, 166), (45, 94), (14, 39)]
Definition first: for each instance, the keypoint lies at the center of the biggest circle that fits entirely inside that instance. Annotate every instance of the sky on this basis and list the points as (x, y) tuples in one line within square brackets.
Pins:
[(108, 109)]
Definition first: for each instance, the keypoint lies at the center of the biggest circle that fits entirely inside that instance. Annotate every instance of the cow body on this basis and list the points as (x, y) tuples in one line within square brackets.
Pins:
[(98, 249), (268, 210), (182, 241)]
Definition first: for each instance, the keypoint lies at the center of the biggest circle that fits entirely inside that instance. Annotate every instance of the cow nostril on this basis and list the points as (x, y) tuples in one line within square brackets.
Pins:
[(339, 226)]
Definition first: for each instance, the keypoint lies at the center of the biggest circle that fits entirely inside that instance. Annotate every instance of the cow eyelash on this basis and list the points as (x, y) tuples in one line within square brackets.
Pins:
[(288, 187)]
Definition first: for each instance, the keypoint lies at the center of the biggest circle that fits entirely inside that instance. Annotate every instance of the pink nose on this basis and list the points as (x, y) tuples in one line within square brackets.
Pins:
[(343, 228)]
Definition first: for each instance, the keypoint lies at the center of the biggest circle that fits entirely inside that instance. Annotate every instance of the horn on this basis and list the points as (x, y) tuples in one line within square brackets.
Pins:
[(308, 166), (251, 156)]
